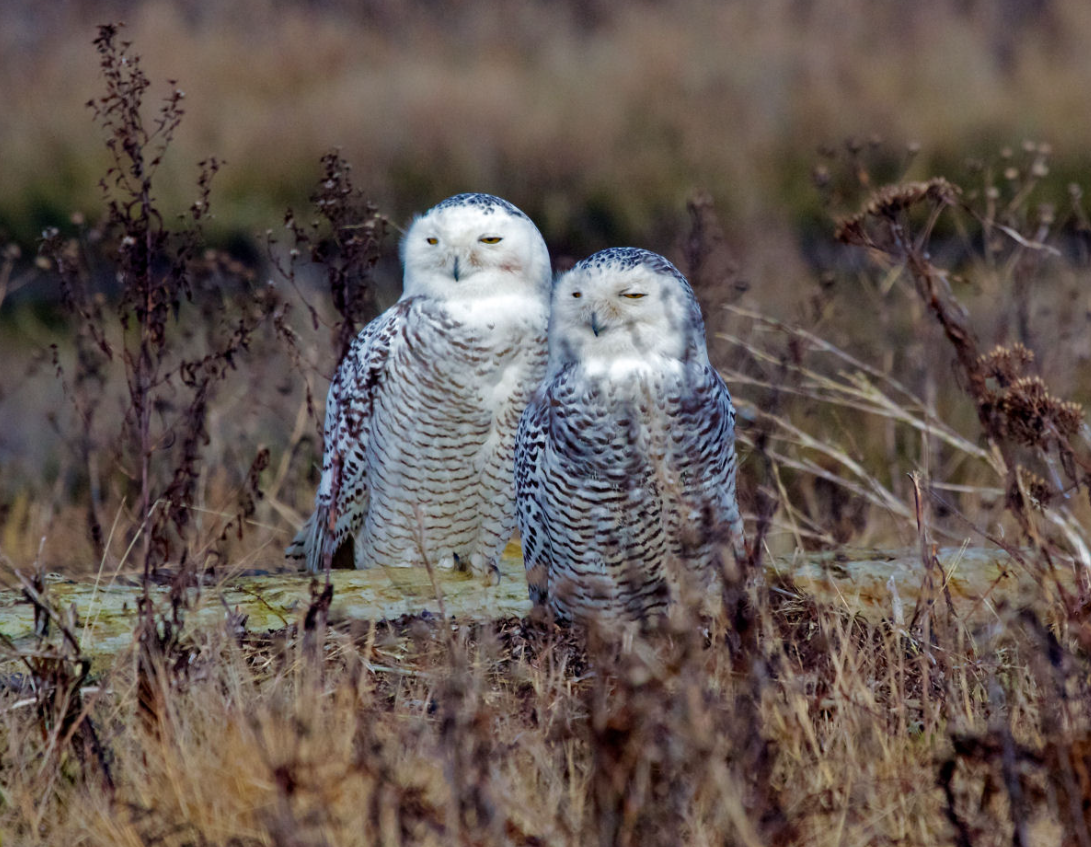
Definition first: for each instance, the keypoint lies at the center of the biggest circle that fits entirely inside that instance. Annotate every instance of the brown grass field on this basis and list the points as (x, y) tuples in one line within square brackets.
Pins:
[(897, 290)]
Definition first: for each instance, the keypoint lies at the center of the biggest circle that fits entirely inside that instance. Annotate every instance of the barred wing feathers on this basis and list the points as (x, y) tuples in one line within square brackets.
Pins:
[(343, 495)]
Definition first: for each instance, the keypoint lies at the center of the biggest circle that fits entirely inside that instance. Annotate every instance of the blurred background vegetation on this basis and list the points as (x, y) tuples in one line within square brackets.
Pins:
[(598, 118), (602, 120)]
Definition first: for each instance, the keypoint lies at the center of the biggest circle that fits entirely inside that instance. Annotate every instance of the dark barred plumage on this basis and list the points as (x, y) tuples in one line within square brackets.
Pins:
[(625, 461), (626, 258), (487, 203)]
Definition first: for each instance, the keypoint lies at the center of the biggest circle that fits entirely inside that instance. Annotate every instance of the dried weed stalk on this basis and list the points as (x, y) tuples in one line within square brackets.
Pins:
[(1014, 410), (343, 239), (161, 275), (57, 677), (172, 324)]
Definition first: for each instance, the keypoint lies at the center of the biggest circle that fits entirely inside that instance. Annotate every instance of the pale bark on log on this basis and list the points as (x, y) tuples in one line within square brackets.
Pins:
[(877, 585)]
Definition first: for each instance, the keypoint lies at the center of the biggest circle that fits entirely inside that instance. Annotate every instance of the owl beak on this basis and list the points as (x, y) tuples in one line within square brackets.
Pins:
[(454, 270), (597, 326)]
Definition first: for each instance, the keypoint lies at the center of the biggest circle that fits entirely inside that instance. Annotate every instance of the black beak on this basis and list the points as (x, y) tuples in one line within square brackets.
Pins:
[(454, 271), (596, 327)]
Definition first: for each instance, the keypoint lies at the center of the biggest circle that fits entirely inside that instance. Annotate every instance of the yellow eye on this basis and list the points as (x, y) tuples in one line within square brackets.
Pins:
[(577, 295), (490, 239), (631, 296), (431, 240)]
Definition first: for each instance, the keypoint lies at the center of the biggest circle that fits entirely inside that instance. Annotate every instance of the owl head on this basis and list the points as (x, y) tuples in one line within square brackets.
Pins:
[(474, 246), (625, 305)]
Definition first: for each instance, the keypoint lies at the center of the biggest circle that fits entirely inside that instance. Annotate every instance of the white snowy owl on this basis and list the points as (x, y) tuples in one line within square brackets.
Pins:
[(625, 457), (422, 413)]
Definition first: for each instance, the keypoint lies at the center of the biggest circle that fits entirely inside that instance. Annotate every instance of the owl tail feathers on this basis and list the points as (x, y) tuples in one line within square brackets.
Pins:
[(312, 541)]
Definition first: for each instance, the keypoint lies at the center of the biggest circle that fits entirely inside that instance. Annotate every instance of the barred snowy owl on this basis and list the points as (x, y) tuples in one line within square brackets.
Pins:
[(625, 456), (421, 414)]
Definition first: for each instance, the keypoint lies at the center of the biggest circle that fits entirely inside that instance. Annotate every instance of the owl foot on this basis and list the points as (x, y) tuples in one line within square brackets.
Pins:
[(486, 566)]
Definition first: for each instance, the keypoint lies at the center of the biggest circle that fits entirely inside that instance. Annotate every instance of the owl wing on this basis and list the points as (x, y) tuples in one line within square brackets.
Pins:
[(341, 503), (530, 441), (706, 458)]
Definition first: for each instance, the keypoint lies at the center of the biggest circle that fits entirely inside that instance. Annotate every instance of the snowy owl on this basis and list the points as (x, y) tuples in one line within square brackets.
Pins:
[(422, 412), (625, 455)]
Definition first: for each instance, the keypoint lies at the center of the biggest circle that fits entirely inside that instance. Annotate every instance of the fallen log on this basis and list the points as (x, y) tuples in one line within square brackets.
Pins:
[(875, 584)]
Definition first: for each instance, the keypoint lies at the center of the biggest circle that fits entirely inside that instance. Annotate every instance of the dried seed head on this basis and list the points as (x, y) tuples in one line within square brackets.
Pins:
[(890, 200), (1040, 491), (1022, 405), (1006, 364), (1032, 415)]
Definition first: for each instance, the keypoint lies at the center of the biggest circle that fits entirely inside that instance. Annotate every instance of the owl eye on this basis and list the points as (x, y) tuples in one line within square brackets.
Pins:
[(432, 240), (577, 294), (632, 295), (490, 239)]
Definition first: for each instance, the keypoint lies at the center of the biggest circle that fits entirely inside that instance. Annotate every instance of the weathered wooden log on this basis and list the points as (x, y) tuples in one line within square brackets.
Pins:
[(877, 585)]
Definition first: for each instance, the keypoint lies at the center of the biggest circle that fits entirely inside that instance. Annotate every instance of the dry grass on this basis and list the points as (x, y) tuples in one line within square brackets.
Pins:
[(803, 727), (622, 109)]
